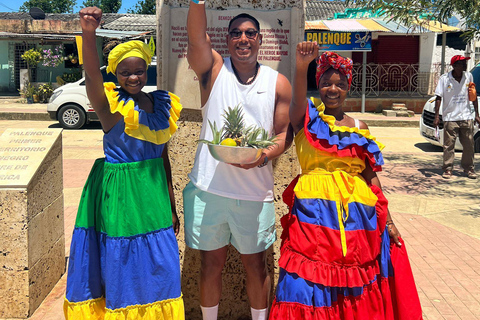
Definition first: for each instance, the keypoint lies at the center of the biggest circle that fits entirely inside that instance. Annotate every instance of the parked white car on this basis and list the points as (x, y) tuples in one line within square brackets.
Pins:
[(428, 115), (70, 106)]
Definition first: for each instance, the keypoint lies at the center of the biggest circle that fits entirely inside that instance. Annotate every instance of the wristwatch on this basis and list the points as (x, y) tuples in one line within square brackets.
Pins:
[(265, 161)]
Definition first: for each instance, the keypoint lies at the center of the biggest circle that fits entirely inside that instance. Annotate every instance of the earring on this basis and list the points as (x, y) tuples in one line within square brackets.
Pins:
[(260, 42)]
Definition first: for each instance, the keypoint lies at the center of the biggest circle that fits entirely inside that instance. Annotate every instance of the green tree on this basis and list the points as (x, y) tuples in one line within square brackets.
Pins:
[(107, 6), (411, 12), (144, 7), (49, 6)]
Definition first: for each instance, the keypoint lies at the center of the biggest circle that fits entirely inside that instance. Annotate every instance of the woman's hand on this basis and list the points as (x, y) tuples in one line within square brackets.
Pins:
[(307, 51), (394, 233), (90, 18), (175, 223)]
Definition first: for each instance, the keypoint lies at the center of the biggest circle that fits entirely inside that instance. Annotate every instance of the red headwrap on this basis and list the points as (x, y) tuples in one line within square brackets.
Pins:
[(332, 60)]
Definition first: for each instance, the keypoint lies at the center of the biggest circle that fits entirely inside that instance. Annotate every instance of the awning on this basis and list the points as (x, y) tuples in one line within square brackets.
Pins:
[(377, 25)]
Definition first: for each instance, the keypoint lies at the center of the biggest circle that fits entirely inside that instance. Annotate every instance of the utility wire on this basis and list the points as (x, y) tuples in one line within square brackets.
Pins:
[(1, 4)]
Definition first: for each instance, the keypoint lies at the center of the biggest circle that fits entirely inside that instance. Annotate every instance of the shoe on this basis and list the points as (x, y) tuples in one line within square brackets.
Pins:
[(447, 174), (470, 174)]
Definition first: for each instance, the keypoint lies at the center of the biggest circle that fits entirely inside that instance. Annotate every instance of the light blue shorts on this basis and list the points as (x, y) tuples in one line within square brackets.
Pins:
[(212, 222)]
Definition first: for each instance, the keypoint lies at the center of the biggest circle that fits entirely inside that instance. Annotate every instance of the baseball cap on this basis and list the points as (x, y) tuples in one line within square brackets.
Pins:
[(458, 58)]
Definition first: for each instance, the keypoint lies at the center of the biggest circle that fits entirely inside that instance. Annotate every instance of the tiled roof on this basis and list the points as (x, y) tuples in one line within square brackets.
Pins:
[(110, 21), (319, 10), (133, 22)]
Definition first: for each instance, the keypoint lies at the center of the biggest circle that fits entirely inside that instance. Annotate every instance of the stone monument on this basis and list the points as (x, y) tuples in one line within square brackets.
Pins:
[(32, 240)]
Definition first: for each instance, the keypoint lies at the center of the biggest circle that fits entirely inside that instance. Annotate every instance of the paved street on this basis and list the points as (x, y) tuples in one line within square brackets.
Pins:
[(439, 219)]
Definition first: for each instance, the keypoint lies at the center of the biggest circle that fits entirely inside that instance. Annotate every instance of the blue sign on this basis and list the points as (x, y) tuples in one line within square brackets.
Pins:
[(341, 41)]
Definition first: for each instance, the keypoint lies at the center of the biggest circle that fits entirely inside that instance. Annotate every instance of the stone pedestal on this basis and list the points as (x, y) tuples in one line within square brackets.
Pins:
[(32, 241)]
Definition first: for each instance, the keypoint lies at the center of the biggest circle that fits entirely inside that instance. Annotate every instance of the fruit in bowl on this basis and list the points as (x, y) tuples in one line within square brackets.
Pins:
[(237, 155), (236, 143)]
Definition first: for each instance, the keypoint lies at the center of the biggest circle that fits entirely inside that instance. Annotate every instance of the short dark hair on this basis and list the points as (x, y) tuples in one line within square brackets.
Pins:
[(245, 16)]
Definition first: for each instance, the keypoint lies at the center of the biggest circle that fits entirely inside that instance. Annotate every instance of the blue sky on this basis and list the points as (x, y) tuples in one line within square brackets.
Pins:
[(13, 5)]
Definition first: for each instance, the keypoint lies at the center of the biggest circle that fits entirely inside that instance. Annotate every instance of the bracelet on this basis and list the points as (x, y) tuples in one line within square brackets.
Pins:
[(390, 222), (265, 161), (198, 1)]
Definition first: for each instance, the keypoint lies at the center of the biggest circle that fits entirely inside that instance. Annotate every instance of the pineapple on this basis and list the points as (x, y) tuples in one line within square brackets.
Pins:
[(217, 134), (234, 124), (234, 129)]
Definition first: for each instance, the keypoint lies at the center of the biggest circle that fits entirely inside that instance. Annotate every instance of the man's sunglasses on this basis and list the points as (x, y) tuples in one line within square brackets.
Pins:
[(250, 34)]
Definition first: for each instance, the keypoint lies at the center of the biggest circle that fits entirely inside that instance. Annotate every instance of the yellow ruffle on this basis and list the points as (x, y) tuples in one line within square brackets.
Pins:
[(139, 131), (330, 120), (172, 309), (85, 310)]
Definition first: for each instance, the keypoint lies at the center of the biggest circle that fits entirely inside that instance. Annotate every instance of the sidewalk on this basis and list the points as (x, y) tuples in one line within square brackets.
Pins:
[(439, 220), (12, 109)]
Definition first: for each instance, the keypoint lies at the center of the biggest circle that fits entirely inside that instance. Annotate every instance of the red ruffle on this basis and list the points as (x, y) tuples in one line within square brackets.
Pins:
[(353, 151), (405, 301), (332, 275), (368, 305)]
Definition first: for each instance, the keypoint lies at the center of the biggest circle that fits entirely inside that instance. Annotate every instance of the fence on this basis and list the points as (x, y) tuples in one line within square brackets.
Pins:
[(395, 80)]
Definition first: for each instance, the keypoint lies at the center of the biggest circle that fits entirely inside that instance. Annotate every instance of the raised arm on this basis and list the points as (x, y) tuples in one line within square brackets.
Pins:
[(306, 53), (205, 61), (90, 19)]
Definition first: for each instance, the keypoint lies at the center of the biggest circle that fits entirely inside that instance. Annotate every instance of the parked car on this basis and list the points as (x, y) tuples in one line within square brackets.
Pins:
[(70, 106), (428, 115)]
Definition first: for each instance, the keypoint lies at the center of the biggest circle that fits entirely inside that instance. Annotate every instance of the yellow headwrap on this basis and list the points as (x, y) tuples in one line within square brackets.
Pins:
[(128, 49)]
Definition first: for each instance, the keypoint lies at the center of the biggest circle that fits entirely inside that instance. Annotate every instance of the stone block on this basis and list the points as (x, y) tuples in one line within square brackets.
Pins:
[(13, 205), (14, 294), (14, 246), (44, 274), (389, 113), (399, 106), (32, 241), (402, 114), (48, 183), (44, 230)]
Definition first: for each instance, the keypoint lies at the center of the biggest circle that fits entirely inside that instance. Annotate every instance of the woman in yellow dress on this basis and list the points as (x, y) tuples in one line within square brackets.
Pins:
[(337, 260)]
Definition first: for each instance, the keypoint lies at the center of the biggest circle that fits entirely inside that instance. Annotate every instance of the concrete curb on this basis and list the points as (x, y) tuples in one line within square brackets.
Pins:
[(25, 116), (391, 123), (43, 116)]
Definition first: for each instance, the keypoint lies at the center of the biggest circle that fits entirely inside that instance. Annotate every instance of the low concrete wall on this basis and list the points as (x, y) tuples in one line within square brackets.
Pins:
[(380, 104)]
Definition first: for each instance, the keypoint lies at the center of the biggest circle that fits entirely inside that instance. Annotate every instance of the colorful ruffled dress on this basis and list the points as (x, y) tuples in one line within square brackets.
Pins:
[(336, 257), (124, 259)]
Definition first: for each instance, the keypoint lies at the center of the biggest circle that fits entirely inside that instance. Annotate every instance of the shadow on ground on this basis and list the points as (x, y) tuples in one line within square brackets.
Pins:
[(421, 174), (428, 147)]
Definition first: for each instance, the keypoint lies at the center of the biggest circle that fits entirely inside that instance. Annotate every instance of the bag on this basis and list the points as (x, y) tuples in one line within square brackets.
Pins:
[(472, 92)]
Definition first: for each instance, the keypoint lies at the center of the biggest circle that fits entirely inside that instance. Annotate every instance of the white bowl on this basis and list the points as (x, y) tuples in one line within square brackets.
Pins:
[(237, 155)]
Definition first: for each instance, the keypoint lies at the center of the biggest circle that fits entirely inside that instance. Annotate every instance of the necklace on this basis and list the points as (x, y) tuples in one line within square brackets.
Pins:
[(257, 66)]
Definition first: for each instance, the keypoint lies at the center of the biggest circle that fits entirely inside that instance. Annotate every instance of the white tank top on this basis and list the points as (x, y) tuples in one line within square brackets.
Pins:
[(258, 103)]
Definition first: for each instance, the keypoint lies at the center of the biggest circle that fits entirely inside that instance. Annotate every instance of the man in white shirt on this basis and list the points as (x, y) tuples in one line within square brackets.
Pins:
[(457, 117), (225, 203)]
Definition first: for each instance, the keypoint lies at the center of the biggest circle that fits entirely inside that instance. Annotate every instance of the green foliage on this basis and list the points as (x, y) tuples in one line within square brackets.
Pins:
[(32, 57), (49, 6), (107, 6), (144, 7), (44, 92), (72, 77), (412, 12), (28, 90)]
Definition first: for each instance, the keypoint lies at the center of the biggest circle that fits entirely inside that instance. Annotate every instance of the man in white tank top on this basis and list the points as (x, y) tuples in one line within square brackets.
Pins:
[(225, 203)]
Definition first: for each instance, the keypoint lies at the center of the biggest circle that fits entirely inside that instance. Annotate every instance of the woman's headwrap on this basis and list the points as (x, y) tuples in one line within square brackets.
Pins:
[(128, 49), (332, 60)]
